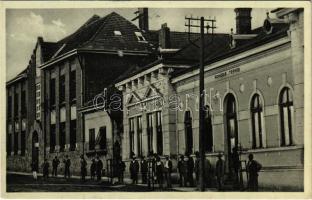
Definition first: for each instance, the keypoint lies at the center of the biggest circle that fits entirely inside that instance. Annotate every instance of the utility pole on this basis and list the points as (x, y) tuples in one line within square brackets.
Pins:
[(209, 25)]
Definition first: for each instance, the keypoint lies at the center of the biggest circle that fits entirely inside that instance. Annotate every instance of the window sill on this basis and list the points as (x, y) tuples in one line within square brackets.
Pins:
[(272, 149)]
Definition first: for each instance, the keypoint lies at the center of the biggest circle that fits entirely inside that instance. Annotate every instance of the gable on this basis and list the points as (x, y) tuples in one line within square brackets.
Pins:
[(152, 91), (133, 98)]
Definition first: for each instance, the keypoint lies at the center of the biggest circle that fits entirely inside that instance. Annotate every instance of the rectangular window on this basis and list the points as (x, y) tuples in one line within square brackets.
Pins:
[(9, 107), (159, 133), (91, 139), (23, 142), (102, 135), (38, 100), (15, 143), (72, 85), (9, 142), (150, 132), (62, 88), (15, 104), (52, 137), (140, 138), (73, 130), (24, 108), (62, 136), (131, 135), (52, 92)]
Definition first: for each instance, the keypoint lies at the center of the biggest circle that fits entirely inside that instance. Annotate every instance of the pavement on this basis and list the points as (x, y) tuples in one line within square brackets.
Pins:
[(24, 182)]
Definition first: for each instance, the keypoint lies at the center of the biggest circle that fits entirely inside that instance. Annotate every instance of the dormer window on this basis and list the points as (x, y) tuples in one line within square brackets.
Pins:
[(139, 36), (117, 33)]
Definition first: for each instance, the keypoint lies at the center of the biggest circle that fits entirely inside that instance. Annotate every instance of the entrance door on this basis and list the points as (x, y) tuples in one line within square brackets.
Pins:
[(35, 149), (231, 127)]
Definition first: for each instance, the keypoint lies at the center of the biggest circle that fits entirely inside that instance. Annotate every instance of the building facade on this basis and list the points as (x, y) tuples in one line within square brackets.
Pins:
[(254, 101)]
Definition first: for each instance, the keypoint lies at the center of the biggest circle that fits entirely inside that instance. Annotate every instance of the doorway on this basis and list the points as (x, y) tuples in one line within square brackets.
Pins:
[(35, 149), (231, 132)]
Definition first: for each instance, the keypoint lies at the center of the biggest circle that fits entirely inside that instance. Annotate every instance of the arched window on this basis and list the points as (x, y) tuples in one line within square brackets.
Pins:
[(258, 138), (188, 132), (287, 114), (208, 130)]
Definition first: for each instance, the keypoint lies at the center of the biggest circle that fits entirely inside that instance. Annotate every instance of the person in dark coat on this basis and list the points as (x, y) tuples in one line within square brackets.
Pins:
[(134, 169), (190, 170), (45, 169), (122, 167), (144, 169), (83, 168), (34, 169), (220, 170), (55, 164), (235, 164), (181, 171), (167, 171), (159, 172), (67, 164), (253, 168), (196, 169), (99, 168), (92, 169)]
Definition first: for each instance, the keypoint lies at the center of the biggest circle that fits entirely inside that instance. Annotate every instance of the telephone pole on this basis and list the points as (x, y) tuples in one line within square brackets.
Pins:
[(210, 24)]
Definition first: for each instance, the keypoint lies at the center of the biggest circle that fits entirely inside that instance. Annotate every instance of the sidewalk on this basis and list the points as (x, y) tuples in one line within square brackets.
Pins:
[(127, 181)]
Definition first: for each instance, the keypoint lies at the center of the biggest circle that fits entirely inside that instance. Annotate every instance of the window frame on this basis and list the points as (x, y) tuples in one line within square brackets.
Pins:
[(257, 111), (290, 116)]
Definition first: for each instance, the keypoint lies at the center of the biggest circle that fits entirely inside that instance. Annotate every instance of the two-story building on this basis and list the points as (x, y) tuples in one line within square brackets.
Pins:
[(254, 100)]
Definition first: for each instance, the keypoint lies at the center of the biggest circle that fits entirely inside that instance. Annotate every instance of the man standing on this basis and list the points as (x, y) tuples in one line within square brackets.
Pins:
[(92, 169), (67, 167), (159, 172), (122, 167), (220, 169), (99, 168), (34, 169), (134, 168), (45, 169), (83, 168), (181, 170), (55, 164), (190, 170), (196, 169), (144, 169), (167, 171), (253, 167)]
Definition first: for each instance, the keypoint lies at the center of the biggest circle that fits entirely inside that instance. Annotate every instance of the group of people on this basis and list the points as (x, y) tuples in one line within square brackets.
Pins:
[(96, 168), (159, 171)]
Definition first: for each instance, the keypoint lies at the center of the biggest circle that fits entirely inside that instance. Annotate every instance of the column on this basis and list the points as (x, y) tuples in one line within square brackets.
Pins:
[(13, 119), (144, 135), (47, 112), (57, 108), (154, 133), (135, 136), (19, 120), (297, 51), (79, 104), (67, 105)]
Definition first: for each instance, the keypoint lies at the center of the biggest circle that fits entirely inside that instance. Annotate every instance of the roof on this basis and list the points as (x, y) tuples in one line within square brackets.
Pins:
[(279, 30), (177, 39), (20, 76), (98, 33)]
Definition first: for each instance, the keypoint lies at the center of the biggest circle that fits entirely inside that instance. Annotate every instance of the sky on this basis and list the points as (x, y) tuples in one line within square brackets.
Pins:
[(23, 26)]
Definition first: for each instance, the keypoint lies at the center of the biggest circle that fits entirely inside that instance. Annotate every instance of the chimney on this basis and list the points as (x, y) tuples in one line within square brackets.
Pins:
[(243, 20), (164, 37), (143, 19)]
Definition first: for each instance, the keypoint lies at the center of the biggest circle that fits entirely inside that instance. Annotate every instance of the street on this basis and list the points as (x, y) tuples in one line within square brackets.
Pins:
[(25, 183)]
